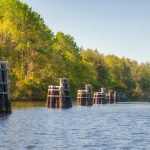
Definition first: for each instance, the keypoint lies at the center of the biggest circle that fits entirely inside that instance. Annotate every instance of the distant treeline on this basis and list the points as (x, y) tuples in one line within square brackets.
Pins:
[(37, 57)]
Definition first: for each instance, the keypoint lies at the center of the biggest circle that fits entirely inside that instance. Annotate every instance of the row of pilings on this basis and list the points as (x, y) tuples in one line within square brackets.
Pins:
[(60, 96)]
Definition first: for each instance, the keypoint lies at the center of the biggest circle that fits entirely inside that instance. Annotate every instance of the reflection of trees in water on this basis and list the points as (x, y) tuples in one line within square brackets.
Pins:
[(26, 104)]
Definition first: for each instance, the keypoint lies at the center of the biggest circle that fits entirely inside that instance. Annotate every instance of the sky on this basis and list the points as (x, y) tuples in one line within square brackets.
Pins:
[(119, 27)]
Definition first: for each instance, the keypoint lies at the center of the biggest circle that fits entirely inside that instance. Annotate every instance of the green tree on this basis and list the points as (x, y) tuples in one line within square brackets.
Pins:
[(69, 62), (120, 74), (22, 33), (97, 60)]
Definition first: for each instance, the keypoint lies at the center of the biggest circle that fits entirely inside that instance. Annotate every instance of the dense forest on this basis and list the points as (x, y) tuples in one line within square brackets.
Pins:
[(37, 57)]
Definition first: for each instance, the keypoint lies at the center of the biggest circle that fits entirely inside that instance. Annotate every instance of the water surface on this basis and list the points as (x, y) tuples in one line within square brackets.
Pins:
[(100, 127)]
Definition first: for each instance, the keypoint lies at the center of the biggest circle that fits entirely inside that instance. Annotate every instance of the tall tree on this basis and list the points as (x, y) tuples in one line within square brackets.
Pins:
[(24, 40), (120, 74), (97, 59)]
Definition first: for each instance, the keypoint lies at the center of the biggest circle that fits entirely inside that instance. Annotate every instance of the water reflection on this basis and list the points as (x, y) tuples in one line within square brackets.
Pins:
[(27, 104), (122, 126), (4, 116)]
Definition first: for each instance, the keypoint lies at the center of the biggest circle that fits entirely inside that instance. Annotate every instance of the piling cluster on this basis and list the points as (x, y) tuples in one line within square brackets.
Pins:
[(5, 105), (100, 97), (109, 97), (59, 96), (84, 97)]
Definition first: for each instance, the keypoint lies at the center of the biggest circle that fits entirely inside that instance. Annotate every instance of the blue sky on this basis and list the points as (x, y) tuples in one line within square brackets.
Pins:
[(120, 27)]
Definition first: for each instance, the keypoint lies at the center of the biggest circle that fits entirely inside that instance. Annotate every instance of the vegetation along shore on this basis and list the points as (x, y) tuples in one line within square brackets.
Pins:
[(37, 57)]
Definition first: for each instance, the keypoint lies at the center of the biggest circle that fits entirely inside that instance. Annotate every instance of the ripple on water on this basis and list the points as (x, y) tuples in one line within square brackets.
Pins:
[(123, 126)]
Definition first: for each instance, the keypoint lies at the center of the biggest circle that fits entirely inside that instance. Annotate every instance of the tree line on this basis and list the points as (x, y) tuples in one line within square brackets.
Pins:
[(37, 57)]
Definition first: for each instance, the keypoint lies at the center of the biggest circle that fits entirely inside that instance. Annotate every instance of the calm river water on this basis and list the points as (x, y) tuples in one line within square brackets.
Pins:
[(100, 127)]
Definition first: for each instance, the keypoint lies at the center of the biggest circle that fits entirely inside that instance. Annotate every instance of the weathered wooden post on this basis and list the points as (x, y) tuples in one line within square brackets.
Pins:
[(59, 96), (109, 96), (5, 105), (53, 96), (99, 97), (115, 97), (84, 97), (88, 88), (66, 100)]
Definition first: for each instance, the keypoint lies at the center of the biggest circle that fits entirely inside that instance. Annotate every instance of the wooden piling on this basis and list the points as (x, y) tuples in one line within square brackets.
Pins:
[(53, 96), (88, 88), (66, 100), (5, 105), (84, 97), (109, 97), (112, 97), (59, 96), (115, 98), (99, 97)]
